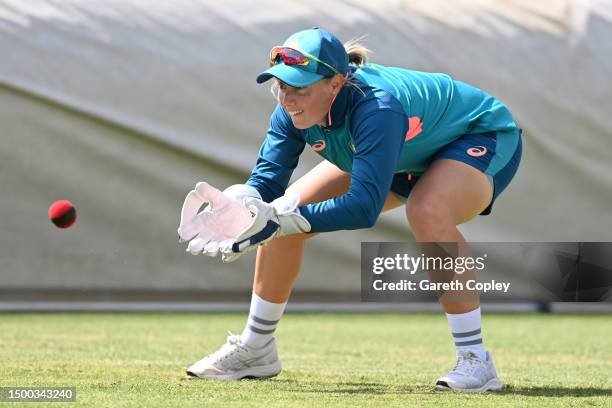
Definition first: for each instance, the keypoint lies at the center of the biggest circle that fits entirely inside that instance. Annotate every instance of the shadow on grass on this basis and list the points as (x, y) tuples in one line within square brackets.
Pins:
[(345, 387), (375, 388), (543, 391)]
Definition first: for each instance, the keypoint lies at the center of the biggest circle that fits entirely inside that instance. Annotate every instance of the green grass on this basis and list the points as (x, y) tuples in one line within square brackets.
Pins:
[(120, 360)]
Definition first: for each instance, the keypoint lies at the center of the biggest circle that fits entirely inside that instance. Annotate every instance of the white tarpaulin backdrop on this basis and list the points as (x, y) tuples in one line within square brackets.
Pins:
[(122, 106)]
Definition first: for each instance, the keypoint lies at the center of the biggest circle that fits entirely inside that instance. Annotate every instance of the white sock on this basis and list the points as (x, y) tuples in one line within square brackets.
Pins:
[(466, 331), (263, 318)]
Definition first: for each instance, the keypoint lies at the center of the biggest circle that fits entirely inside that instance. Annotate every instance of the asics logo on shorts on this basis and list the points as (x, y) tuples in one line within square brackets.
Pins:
[(318, 145), (477, 151)]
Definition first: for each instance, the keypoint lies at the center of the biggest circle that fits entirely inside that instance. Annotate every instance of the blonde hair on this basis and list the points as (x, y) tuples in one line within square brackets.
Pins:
[(358, 56), (357, 52)]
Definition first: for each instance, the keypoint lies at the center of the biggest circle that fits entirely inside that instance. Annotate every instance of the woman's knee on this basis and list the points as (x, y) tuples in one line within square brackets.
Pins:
[(427, 214)]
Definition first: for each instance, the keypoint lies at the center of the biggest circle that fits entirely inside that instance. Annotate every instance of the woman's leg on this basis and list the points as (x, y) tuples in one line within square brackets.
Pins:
[(448, 194), (278, 263), (253, 354), (451, 193)]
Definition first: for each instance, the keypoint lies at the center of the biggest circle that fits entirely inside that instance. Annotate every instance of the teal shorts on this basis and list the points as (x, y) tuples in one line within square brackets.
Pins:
[(496, 154)]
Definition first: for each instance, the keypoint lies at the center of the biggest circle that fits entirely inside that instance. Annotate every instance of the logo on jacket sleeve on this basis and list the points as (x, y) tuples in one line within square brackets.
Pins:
[(318, 146), (415, 126)]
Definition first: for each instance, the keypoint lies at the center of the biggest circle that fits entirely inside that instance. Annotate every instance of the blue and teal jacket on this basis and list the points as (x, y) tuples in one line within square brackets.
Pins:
[(394, 120)]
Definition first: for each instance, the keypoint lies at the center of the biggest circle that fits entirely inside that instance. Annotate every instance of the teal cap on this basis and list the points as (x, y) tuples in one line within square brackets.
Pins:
[(314, 42)]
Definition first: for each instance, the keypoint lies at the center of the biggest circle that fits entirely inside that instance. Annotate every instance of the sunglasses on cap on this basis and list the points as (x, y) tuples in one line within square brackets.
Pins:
[(291, 56)]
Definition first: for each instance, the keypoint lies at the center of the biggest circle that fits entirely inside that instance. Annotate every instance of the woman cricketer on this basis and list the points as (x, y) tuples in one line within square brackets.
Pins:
[(389, 137)]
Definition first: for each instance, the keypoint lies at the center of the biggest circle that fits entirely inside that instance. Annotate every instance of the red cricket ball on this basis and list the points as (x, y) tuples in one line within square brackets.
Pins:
[(62, 213)]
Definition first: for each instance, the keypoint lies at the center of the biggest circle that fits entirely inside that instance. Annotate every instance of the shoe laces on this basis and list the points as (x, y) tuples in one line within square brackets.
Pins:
[(232, 346), (467, 363)]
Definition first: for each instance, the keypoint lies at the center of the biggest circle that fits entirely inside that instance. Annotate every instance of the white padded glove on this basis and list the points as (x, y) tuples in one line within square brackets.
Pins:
[(219, 225), (240, 192), (281, 217)]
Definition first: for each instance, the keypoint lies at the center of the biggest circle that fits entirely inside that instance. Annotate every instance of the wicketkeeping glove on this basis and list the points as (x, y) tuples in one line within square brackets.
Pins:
[(241, 191), (281, 217), (218, 225)]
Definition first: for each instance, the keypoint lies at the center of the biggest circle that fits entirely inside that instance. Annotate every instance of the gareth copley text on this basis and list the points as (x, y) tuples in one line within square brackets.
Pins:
[(426, 285)]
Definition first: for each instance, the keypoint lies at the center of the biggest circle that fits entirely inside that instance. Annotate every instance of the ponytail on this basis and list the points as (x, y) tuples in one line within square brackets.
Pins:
[(357, 52)]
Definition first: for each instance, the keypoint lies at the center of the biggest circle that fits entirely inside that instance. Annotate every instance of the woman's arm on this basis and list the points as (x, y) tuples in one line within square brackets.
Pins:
[(378, 134), (278, 157)]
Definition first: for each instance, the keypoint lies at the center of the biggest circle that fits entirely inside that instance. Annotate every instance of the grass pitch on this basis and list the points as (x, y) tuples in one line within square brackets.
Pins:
[(121, 360)]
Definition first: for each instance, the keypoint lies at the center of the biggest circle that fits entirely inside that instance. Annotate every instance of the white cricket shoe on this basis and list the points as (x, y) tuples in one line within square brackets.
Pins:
[(235, 360), (471, 374)]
